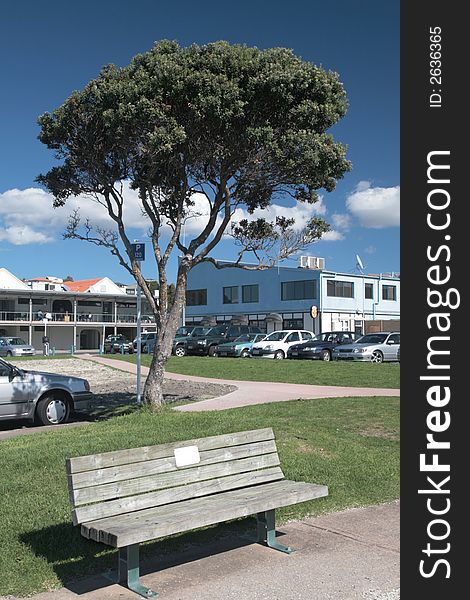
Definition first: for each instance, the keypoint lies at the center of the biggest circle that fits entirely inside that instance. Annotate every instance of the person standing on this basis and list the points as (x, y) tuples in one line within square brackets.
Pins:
[(45, 345)]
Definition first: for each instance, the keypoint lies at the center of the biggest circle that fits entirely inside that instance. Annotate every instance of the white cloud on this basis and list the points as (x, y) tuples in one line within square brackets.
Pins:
[(332, 236), (375, 207), (28, 217), (23, 235), (370, 250), (341, 221)]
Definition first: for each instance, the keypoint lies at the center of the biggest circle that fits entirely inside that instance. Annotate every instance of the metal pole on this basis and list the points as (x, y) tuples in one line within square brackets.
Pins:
[(139, 338)]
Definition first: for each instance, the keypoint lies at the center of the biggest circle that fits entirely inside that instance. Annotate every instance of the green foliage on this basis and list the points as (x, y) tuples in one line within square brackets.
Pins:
[(202, 114)]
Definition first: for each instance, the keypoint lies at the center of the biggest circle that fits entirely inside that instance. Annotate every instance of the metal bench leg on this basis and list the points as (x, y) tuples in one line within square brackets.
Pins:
[(267, 531), (128, 571)]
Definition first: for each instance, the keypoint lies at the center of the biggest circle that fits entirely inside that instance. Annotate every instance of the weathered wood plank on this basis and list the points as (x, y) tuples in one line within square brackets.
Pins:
[(171, 479), (133, 455), (93, 512), (166, 465), (200, 512)]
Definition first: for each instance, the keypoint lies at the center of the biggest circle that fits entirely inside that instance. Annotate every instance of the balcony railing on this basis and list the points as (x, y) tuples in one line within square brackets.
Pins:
[(39, 316), (14, 316)]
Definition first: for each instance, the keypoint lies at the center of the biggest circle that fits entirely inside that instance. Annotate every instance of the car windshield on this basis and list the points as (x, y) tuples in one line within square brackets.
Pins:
[(373, 338), (16, 342), (184, 331), (217, 330), (199, 331), (276, 336), (327, 337), (246, 337)]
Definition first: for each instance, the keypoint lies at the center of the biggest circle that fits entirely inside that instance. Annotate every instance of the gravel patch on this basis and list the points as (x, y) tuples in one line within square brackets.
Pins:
[(113, 388)]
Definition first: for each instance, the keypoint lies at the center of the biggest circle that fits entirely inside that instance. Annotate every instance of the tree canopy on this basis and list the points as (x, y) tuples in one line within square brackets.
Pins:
[(237, 124)]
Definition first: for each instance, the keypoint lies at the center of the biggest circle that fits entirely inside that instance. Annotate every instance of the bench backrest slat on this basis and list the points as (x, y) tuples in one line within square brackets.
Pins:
[(167, 465), (119, 482), (134, 455)]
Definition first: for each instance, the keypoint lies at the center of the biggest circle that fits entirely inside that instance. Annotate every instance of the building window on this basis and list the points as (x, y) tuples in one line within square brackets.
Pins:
[(340, 289), (231, 295), (250, 293), (369, 291), (196, 297), (389, 292), (293, 321), (298, 290), (293, 324)]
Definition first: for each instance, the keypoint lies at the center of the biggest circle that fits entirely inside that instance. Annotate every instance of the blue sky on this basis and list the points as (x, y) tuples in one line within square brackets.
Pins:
[(51, 48)]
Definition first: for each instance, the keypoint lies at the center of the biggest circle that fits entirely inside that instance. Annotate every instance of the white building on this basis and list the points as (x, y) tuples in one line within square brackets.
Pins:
[(75, 315)]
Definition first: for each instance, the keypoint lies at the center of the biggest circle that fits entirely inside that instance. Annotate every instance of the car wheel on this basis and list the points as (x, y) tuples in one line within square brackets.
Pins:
[(180, 351), (325, 355), (9, 353), (211, 351), (245, 353), (131, 350), (53, 409), (377, 356), (279, 355)]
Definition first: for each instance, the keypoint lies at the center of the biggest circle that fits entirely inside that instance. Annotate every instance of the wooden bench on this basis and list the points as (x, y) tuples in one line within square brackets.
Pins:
[(131, 496)]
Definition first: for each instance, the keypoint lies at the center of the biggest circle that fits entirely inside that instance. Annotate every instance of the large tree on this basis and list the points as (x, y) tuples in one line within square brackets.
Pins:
[(239, 125)]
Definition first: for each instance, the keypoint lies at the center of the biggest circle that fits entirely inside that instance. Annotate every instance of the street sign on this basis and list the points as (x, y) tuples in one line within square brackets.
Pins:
[(139, 251)]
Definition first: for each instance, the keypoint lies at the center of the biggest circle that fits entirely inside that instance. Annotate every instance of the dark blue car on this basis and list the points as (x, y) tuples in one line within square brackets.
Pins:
[(321, 347)]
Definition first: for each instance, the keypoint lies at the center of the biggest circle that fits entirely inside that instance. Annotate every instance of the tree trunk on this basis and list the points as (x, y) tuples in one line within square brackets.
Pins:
[(153, 389)]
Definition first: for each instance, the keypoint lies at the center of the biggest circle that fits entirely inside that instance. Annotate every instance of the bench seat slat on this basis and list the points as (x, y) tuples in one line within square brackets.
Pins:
[(160, 481), (166, 465), (199, 512), (170, 495), (134, 455)]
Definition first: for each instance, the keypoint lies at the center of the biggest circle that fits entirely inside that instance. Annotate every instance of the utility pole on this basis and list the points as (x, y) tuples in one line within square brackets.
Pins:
[(139, 255)]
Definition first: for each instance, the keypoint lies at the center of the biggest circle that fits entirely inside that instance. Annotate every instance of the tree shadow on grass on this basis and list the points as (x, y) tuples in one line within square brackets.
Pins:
[(83, 565)]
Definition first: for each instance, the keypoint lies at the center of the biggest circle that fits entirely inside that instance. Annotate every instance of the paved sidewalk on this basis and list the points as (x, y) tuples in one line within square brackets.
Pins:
[(348, 555), (252, 392)]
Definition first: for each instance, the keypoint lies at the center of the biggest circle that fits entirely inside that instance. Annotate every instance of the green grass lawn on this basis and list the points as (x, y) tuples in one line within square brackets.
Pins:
[(349, 444), (315, 372)]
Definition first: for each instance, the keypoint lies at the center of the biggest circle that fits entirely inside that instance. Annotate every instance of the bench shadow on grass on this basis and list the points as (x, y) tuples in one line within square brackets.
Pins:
[(83, 565)]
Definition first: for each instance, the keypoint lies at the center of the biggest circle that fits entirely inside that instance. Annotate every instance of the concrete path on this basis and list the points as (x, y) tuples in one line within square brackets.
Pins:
[(252, 392), (347, 555)]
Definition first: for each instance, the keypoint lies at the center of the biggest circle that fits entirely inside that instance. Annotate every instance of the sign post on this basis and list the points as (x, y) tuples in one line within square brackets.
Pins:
[(139, 255)]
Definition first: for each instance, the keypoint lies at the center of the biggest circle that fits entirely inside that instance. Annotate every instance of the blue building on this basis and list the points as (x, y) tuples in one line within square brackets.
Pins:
[(292, 298)]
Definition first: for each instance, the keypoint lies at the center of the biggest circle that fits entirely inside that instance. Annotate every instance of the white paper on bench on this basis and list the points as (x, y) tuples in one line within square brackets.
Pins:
[(187, 456)]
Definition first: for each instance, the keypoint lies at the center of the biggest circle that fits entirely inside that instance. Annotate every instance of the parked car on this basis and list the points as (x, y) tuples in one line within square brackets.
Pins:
[(15, 346), (206, 344), (179, 341), (241, 346), (117, 343), (373, 347), (321, 347), (277, 343), (145, 338), (182, 335), (45, 397)]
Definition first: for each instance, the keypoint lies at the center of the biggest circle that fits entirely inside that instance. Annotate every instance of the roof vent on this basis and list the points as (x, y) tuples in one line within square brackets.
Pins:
[(311, 262)]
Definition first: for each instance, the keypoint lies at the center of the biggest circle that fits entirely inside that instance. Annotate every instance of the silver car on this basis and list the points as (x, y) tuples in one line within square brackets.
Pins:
[(15, 346), (373, 347), (45, 397)]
